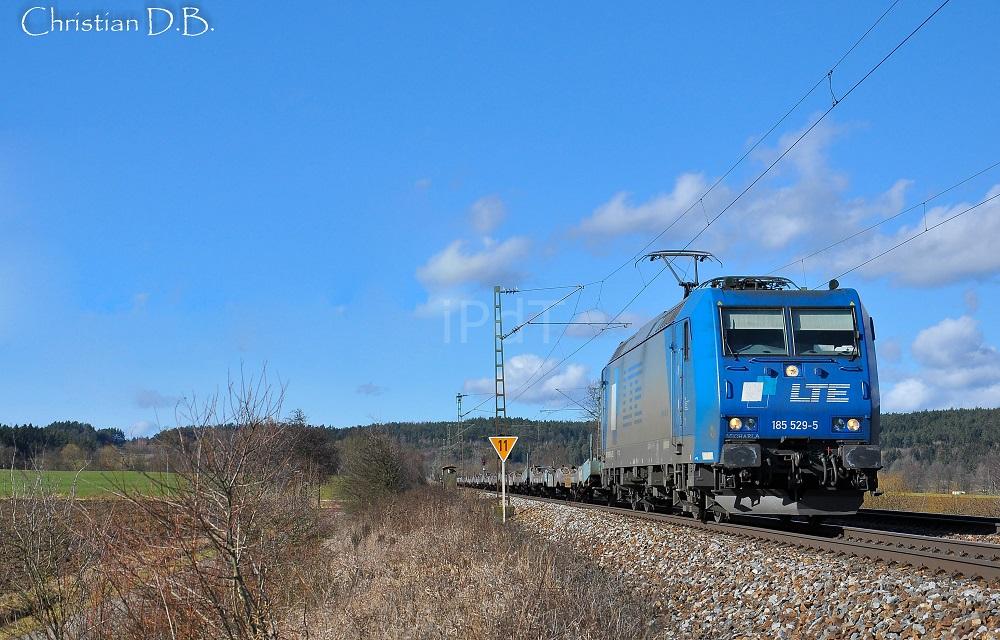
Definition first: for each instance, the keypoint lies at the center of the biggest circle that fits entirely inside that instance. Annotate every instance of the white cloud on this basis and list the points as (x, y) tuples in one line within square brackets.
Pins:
[(450, 274), (455, 265), (963, 248), (907, 395), (487, 213), (524, 367), (621, 216), (802, 200), (958, 369), (802, 195)]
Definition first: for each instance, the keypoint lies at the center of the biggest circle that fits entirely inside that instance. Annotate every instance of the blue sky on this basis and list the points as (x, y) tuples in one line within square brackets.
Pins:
[(332, 189)]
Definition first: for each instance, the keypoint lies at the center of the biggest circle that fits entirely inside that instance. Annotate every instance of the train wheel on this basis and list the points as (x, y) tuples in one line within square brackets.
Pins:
[(634, 501), (648, 506), (720, 516)]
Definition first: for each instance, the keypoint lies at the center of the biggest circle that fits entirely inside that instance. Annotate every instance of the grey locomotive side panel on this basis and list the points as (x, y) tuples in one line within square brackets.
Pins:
[(641, 415)]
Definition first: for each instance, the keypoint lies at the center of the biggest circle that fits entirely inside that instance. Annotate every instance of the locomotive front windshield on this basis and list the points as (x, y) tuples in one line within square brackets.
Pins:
[(754, 331), (827, 332)]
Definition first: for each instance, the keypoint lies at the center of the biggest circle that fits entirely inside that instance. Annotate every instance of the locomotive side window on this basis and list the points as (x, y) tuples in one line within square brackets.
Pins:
[(754, 331), (687, 340), (826, 332)]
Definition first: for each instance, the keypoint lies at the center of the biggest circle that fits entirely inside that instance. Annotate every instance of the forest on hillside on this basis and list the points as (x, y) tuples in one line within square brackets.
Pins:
[(937, 451), (934, 451), (944, 450), (467, 446)]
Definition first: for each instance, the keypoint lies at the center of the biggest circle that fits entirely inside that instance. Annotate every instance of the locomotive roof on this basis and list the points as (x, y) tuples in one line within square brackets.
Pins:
[(648, 329), (717, 287)]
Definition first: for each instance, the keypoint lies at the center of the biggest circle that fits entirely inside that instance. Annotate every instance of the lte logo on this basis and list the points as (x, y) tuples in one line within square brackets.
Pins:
[(814, 392)]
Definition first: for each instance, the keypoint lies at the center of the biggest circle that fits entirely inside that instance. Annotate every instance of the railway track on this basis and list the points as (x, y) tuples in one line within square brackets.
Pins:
[(960, 557), (944, 521)]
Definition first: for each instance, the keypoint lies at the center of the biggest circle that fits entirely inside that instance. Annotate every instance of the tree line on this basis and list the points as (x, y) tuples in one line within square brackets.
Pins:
[(61, 444), (942, 450)]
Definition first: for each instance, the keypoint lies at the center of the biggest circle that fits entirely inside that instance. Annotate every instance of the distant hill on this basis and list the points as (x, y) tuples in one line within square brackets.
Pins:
[(540, 441), (953, 427), (929, 450), (944, 450)]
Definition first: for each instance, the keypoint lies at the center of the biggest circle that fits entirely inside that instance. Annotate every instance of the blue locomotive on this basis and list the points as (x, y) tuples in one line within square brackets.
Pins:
[(750, 396)]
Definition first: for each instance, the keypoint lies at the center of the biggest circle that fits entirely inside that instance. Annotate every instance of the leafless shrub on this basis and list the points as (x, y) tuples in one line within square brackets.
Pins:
[(375, 468), (224, 543), (46, 556)]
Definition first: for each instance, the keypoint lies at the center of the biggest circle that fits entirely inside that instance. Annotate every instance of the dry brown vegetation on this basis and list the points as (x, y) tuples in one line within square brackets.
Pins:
[(898, 495), (438, 564), (221, 554), (45, 557), (236, 548), (227, 550)]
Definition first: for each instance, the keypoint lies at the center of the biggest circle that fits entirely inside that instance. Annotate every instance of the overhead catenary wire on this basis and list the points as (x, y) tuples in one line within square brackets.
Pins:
[(759, 177), (477, 407), (925, 231), (579, 288), (541, 363), (874, 225), (520, 290), (700, 200), (594, 337), (816, 123)]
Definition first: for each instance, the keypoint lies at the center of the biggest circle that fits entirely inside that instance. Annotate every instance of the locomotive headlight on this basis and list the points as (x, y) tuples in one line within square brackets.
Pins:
[(853, 424), (791, 371), (735, 424)]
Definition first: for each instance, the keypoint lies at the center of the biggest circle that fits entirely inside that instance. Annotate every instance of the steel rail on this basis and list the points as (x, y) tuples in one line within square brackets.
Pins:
[(951, 556), (989, 525)]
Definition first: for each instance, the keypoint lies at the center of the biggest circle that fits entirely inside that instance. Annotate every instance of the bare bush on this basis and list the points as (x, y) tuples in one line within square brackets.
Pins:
[(375, 467), (222, 544), (46, 555)]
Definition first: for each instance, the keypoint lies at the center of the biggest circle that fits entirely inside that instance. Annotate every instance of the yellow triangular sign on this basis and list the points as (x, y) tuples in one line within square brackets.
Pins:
[(503, 445)]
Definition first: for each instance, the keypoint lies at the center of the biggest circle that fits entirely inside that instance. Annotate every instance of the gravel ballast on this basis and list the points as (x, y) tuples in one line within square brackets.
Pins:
[(703, 585)]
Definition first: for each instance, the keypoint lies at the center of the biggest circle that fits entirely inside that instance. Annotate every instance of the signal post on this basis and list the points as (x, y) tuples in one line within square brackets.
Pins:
[(503, 445)]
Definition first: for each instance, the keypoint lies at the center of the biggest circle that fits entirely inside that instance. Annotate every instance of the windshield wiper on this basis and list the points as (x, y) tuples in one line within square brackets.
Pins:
[(726, 345)]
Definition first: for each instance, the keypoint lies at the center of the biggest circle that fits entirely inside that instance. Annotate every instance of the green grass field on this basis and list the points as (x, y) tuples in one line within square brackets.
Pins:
[(104, 484), (331, 489), (88, 484)]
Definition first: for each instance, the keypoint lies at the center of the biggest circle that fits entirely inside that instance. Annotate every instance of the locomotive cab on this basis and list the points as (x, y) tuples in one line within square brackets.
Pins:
[(798, 414), (751, 396)]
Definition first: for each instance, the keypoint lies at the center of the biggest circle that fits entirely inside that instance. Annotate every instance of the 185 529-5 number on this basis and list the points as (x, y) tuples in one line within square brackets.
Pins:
[(795, 425)]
